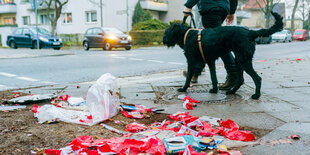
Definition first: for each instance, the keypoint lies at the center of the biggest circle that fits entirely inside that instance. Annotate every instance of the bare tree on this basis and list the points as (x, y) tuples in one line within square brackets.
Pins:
[(293, 15), (54, 6), (267, 8)]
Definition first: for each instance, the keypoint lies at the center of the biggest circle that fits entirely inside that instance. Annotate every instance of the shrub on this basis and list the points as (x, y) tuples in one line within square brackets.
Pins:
[(72, 39), (153, 24), (147, 37)]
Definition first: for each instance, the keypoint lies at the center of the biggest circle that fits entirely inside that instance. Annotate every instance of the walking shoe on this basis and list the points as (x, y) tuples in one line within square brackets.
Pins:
[(229, 83), (194, 78)]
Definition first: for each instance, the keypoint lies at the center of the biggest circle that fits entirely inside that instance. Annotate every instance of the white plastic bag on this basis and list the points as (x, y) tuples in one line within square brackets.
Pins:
[(102, 98)]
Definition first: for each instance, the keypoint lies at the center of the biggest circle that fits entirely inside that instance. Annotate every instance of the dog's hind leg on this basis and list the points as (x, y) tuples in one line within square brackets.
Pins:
[(213, 77), (190, 72), (248, 67)]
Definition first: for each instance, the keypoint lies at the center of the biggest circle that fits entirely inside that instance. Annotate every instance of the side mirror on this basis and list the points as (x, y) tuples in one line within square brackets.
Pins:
[(28, 34)]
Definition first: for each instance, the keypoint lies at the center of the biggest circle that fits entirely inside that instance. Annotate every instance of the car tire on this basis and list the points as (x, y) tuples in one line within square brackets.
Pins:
[(58, 48), (34, 45), (107, 46), (86, 46), (127, 48), (13, 44)]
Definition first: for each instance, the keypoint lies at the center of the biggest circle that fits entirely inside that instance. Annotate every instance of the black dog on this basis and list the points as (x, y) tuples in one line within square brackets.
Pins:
[(217, 42)]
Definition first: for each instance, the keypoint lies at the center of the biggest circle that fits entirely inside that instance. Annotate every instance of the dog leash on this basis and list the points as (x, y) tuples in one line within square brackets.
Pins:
[(199, 34)]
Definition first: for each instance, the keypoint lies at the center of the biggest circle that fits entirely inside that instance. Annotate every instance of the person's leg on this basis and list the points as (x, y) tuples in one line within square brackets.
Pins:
[(231, 69)]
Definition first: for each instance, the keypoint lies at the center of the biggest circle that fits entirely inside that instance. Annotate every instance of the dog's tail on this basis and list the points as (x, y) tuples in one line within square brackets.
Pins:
[(278, 26)]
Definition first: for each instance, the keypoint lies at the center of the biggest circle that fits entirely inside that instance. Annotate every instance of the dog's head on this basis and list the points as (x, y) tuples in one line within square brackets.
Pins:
[(174, 35)]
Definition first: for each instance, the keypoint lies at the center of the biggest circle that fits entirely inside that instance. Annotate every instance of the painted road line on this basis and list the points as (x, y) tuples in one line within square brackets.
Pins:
[(156, 61), (7, 74), (119, 57), (175, 63), (136, 59), (28, 79)]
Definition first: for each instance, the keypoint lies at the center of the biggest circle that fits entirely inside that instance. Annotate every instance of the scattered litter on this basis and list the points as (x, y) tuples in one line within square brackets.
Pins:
[(135, 127), (10, 108), (189, 103), (212, 120), (111, 128), (179, 144), (298, 59), (295, 137), (102, 103), (187, 131), (32, 98), (78, 86)]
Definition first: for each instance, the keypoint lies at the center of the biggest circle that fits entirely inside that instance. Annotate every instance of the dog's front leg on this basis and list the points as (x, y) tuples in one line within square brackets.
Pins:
[(213, 77), (190, 72)]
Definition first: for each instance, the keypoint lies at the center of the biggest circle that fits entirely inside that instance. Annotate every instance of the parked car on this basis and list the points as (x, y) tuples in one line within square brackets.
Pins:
[(300, 34), (262, 40), (283, 36), (27, 37), (106, 38)]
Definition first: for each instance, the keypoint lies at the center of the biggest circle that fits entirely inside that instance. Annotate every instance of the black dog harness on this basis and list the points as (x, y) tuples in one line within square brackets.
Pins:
[(199, 42)]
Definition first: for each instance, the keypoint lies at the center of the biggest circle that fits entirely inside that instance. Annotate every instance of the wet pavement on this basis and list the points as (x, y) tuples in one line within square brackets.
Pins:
[(283, 107)]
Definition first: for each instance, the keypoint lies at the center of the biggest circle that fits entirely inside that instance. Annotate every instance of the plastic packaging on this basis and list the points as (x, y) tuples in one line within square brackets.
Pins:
[(102, 98), (179, 144)]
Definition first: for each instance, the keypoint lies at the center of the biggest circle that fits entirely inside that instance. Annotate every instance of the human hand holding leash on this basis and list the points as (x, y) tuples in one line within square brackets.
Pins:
[(230, 18), (187, 11)]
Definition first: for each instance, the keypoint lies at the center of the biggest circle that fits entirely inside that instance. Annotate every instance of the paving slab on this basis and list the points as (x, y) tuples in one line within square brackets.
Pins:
[(300, 147)]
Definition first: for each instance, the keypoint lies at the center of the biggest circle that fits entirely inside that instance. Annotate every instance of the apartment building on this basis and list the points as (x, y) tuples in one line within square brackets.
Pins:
[(77, 15)]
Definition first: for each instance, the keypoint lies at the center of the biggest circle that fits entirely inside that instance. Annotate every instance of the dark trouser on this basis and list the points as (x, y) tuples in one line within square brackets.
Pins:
[(211, 19)]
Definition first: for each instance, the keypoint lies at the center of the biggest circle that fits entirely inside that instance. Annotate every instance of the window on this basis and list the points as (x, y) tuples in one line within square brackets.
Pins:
[(91, 17), (24, 1), (26, 20), (97, 31), (67, 18), (18, 31), (44, 20), (9, 20), (7, 2), (26, 31), (89, 32)]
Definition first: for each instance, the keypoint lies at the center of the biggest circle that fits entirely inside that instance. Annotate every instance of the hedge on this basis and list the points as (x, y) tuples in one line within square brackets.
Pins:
[(0, 40), (147, 37), (72, 39)]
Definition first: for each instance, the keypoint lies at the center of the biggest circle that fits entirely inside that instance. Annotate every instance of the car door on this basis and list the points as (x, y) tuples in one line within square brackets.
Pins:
[(18, 37), (90, 37), (27, 37), (98, 37)]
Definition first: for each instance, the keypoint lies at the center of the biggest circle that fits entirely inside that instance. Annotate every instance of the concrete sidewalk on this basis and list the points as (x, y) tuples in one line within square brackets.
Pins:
[(282, 110)]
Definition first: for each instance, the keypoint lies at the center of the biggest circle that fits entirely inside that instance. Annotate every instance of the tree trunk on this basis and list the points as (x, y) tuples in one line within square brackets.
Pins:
[(293, 16), (308, 20), (269, 7)]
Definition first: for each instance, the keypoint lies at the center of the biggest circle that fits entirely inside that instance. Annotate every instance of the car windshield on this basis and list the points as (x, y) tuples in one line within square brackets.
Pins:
[(298, 33), (112, 30), (41, 31)]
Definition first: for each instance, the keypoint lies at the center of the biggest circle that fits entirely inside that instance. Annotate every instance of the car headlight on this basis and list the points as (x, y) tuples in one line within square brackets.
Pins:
[(60, 39), (43, 39), (112, 37), (129, 38)]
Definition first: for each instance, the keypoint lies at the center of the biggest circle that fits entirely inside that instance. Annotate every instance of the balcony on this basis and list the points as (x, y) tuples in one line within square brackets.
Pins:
[(155, 5), (8, 8)]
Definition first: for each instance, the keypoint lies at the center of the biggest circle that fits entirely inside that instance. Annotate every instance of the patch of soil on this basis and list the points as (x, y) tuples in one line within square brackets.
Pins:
[(20, 133)]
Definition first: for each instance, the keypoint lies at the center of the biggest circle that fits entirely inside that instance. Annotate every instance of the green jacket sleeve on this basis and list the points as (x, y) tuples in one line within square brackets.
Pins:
[(191, 3), (233, 6)]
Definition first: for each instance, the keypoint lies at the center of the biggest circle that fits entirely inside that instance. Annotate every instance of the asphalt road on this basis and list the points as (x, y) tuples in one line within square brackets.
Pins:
[(23, 68)]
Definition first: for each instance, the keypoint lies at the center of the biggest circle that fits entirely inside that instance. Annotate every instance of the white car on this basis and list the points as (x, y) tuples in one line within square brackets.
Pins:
[(283, 36)]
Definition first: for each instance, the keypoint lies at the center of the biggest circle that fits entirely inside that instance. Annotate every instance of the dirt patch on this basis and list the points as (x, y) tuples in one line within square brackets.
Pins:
[(20, 133)]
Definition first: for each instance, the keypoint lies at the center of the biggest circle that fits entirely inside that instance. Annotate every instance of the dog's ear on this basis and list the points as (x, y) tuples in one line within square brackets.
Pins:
[(171, 35)]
